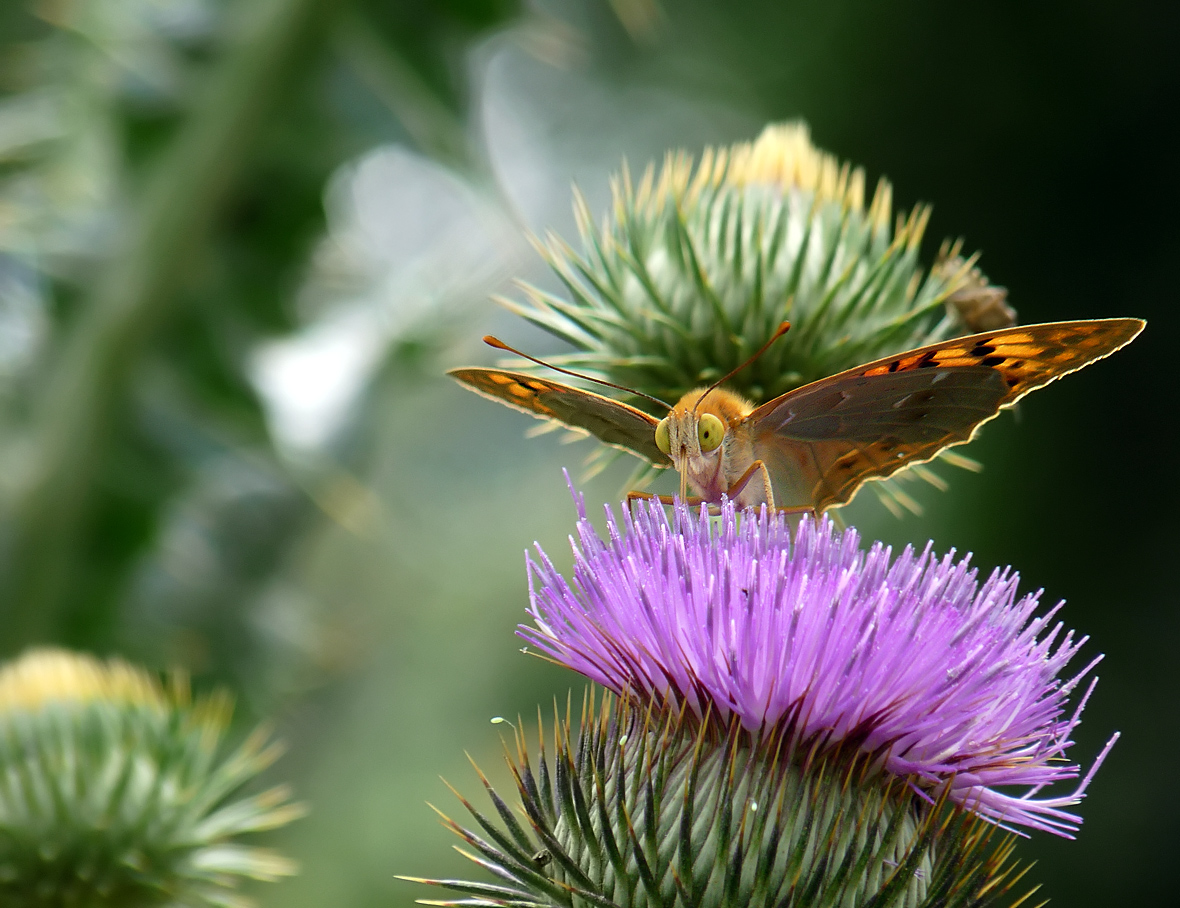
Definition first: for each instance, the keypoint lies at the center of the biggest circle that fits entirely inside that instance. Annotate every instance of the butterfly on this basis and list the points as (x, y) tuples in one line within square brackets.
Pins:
[(812, 448)]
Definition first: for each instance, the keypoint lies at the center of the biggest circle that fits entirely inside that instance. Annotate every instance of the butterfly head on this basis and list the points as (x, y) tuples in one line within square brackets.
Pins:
[(693, 435)]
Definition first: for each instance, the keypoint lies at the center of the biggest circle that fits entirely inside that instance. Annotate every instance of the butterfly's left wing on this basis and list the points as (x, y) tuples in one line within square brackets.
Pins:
[(821, 442), (611, 421)]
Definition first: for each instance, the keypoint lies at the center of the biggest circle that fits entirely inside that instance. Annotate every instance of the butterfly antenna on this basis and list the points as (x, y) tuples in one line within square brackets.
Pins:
[(500, 345), (783, 328)]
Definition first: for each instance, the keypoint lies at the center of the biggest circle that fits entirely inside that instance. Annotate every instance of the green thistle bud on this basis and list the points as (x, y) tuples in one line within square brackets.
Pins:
[(656, 807), (695, 269), (115, 791)]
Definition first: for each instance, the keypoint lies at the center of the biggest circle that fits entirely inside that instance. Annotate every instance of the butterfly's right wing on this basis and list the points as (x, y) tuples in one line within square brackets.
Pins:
[(827, 439), (820, 443), (610, 421)]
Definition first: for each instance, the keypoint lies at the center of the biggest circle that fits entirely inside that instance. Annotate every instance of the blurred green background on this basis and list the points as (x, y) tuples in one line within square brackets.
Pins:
[(240, 242)]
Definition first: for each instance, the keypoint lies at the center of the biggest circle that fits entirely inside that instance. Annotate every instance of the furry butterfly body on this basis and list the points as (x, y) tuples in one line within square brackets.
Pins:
[(814, 447)]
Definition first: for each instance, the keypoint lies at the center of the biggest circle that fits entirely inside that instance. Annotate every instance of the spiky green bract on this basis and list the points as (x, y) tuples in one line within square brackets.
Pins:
[(117, 793), (694, 270), (651, 806)]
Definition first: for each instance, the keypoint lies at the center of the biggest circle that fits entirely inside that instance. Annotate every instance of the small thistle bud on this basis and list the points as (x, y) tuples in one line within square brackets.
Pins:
[(116, 791), (977, 305)]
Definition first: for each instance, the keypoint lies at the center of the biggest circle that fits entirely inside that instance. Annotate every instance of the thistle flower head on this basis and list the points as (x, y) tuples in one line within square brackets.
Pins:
[(117, 791), (695, 268), (944, 680)]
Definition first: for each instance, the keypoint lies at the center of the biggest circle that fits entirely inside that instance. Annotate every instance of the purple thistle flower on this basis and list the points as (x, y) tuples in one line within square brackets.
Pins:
[(950, 682)]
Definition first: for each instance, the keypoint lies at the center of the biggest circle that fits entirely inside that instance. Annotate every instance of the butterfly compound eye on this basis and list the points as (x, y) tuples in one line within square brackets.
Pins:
[(662, 440), (710, 431)]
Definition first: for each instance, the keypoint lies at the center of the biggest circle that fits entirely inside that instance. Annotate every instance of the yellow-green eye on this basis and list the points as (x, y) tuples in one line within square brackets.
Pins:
[(662, 440), (710, 431)]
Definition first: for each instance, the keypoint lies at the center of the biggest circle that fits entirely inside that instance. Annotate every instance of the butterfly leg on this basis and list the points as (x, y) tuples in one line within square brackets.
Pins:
[(692, 500), (759, 467), (756, 468)]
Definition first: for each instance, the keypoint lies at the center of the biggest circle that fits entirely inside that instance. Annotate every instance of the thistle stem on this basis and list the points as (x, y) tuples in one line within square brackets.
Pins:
[(130, 300)]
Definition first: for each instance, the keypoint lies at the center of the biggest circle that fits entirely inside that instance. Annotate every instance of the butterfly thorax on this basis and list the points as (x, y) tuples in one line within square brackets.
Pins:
[(709, 473)]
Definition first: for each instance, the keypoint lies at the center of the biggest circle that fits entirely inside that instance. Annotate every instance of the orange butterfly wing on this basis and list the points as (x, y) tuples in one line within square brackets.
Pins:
[(611, 421), (821, 442)]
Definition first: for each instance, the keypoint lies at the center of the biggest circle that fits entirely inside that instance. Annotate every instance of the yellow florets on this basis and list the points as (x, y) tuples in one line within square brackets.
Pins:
[(782, 156), (41, 676)]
